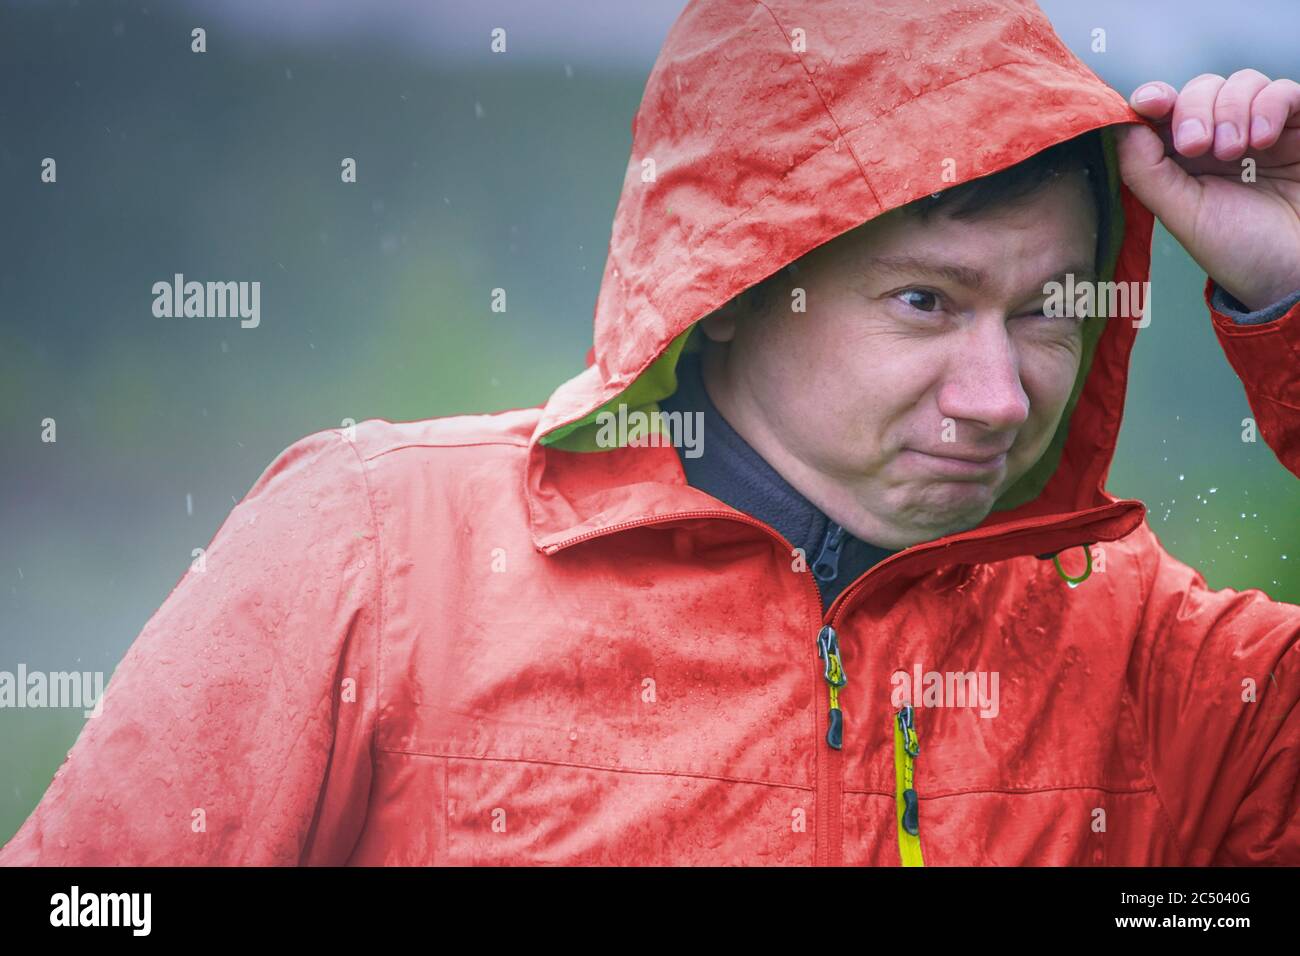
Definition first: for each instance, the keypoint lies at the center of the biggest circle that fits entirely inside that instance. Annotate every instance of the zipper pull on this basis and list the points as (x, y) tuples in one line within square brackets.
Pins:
[(828, 649), (907, 746), (827, 565)]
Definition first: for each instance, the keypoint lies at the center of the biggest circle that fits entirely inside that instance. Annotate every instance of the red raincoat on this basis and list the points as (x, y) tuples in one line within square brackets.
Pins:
[(482, 640)]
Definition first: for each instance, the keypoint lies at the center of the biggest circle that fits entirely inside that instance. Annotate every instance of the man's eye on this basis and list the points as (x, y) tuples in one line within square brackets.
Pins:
[(921, 300), (1041, 315)]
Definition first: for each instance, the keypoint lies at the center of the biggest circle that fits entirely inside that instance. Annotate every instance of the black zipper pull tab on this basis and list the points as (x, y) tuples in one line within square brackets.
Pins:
[(827, 565), (828, 649)]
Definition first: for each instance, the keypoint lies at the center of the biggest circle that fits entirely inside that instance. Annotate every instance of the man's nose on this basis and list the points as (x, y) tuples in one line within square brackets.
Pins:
[(983, 381)]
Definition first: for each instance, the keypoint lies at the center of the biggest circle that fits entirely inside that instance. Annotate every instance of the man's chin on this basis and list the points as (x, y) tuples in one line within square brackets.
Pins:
[(961, 509)]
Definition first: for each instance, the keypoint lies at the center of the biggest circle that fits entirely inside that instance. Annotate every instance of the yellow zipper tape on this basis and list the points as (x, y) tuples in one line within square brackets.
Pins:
[(909, 844)]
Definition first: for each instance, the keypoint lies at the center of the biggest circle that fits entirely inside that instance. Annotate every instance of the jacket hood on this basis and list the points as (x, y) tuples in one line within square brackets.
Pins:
[(769, 128)]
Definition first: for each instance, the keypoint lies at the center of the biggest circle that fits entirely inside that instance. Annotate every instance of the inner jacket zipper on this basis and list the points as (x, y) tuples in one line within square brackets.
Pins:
[(827, 565)]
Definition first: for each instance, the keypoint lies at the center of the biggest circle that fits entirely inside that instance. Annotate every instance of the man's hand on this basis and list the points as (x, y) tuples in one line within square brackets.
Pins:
[(1189, 172)]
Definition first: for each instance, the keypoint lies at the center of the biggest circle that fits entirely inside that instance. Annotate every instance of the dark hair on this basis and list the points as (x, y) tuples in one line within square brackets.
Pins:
[(1006, 187), (1016, 183)]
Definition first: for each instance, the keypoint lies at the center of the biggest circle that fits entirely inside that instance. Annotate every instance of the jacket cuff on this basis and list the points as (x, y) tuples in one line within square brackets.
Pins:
[(1223, 302), (1265, 355)]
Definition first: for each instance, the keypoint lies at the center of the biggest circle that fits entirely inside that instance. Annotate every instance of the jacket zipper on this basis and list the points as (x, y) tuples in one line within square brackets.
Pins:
[(830, 759), (828, 649), (830, 762)]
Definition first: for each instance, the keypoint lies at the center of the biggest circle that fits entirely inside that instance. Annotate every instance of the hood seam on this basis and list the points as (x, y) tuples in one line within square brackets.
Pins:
[(839, 130)]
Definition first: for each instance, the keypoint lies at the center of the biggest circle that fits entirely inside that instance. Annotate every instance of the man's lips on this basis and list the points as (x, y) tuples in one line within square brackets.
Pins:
[(960, 464), (978, 458)]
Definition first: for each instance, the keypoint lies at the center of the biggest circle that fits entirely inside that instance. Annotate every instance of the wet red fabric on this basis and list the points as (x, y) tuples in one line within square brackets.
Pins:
[(445, 642)]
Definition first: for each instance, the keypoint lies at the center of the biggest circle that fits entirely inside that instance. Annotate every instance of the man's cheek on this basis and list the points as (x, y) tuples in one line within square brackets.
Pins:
[(1048, 374)]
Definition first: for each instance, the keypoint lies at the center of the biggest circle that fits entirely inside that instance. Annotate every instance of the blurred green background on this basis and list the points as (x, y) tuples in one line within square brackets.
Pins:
[(475, 171)]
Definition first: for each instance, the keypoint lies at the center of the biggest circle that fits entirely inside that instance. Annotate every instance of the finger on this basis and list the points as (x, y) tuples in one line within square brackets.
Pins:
[(1194, 114), (1157, 180), (1285, 151), (1232, 113), (1153, 100), (1274, 108)]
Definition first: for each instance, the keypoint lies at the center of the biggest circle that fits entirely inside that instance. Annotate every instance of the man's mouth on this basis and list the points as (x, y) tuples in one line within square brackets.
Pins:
[(959, 465)]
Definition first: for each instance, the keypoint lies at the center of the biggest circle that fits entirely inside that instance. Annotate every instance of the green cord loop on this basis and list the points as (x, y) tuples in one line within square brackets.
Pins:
[(1074, 582)]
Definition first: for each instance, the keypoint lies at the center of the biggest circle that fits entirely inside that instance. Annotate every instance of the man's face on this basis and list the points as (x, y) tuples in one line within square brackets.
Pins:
[(923, 347)]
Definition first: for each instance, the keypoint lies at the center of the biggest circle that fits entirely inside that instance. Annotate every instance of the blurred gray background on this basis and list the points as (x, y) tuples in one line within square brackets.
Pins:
[(476, 170)]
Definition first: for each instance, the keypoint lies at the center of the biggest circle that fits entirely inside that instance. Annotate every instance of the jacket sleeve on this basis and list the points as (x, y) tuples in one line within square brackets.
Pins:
[(237, 728), (1215, 682), (1266, 357)]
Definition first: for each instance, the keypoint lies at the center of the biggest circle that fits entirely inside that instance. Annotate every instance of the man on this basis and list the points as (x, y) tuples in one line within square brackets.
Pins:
[(535, 637)]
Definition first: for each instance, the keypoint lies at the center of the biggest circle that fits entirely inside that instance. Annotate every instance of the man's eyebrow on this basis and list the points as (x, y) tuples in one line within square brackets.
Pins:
[(963, 275)]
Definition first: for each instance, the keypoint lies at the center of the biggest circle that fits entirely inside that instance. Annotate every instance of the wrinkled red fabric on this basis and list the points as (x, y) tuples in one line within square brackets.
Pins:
[(444, 642)]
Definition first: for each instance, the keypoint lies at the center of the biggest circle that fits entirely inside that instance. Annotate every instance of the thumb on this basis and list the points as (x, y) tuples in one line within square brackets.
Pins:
[(1156, 179)]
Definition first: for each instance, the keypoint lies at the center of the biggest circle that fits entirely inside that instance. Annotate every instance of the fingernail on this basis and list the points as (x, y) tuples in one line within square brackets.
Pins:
[(1259, 128), (1149, 92), (1189, 131), (1226, 135)]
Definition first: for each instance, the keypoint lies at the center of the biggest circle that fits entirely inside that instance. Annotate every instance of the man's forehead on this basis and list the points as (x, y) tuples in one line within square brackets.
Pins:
[(975, 252)]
